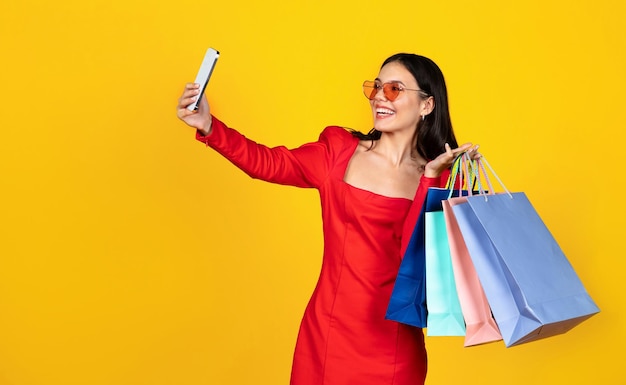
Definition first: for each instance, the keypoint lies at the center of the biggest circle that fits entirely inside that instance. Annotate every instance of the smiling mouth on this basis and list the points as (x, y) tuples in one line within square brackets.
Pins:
[(384, 112)]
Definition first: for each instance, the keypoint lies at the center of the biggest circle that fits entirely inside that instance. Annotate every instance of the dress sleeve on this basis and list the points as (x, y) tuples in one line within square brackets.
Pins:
[(305, 166)]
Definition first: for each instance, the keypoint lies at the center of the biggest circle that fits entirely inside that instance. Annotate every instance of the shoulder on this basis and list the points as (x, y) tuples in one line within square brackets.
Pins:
[(337, 137), (337, 133)]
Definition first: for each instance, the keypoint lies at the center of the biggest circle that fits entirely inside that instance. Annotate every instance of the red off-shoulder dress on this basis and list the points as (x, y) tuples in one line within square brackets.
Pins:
[(344, 338)]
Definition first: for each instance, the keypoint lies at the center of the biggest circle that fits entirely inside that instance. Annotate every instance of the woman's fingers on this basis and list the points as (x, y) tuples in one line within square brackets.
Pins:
[(181, 109), (463, 148), (446, 159), (185, 101), (472, 150), (190, 93), (474, 154), (199, 119)]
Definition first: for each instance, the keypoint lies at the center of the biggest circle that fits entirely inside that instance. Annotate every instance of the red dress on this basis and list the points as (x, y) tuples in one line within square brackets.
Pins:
[(344, 338)]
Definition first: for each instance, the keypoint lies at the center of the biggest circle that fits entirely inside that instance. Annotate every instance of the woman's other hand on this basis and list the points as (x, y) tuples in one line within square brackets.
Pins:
[(199, 119), (435, 167)]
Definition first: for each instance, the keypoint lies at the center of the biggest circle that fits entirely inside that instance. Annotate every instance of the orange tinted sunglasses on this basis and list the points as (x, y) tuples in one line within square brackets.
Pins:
[(391, 90)]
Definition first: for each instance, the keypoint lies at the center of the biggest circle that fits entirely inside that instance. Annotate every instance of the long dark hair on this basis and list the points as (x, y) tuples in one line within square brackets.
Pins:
[(436, 128)]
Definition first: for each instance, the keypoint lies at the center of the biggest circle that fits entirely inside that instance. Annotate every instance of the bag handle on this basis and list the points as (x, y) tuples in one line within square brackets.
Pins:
[(479, 165), (460, 170), (465, 166), (453, 174), (482, 162)]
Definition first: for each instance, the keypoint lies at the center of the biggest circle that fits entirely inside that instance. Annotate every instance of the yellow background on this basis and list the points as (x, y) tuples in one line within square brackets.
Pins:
[(131, 254)]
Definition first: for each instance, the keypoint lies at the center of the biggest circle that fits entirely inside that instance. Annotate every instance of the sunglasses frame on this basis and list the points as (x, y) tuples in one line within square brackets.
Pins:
[(389, 93)]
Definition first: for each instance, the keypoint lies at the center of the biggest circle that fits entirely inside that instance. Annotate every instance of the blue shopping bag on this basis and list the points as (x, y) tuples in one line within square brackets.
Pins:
[(531, 287), (407, 304)]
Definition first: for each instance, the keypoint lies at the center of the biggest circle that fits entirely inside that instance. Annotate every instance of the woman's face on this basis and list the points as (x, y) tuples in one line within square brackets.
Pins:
[(405, 112)]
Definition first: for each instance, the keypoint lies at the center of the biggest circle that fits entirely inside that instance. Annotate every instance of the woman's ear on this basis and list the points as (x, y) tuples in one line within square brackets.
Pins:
[(428, 106)]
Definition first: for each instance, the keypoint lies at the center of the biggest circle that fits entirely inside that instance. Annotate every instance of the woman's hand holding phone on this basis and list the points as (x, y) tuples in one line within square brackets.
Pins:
[(200, 118)]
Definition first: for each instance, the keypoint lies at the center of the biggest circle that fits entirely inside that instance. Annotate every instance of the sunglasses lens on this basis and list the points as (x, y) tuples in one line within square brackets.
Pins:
[(391, 90), (369, 89)]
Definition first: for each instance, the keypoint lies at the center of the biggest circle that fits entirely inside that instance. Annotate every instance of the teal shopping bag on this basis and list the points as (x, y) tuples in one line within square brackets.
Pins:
[(445, 317)]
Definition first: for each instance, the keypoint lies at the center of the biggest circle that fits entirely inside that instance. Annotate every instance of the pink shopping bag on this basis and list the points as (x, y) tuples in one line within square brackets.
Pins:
[(479, 323)]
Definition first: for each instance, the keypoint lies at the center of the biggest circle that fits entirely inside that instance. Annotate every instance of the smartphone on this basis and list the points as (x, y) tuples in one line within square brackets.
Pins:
[(204, 74)]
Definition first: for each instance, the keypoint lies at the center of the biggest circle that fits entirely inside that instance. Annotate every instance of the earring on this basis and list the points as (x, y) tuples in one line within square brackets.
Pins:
[(423, 117)]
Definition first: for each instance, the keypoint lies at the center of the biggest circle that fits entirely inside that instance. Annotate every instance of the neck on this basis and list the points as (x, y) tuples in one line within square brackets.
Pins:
[(398, 148)]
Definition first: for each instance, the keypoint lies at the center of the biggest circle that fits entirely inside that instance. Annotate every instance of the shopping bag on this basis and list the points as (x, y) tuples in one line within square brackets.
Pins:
[(479, 322), (407, 304), (445, 317), (532, 289)]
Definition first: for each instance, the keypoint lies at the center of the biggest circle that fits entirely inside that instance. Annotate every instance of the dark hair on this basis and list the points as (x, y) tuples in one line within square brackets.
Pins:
[(436, 128)]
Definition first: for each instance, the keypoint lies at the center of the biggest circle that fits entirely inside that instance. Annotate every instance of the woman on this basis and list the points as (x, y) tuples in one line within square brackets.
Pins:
[(371, 188)]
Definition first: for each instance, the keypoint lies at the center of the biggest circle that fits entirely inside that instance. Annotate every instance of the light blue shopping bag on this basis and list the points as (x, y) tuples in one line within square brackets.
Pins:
[(531, 287)]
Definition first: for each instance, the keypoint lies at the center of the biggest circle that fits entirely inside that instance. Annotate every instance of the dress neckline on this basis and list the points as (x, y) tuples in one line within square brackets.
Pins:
[(377, 195), (361, 190)]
